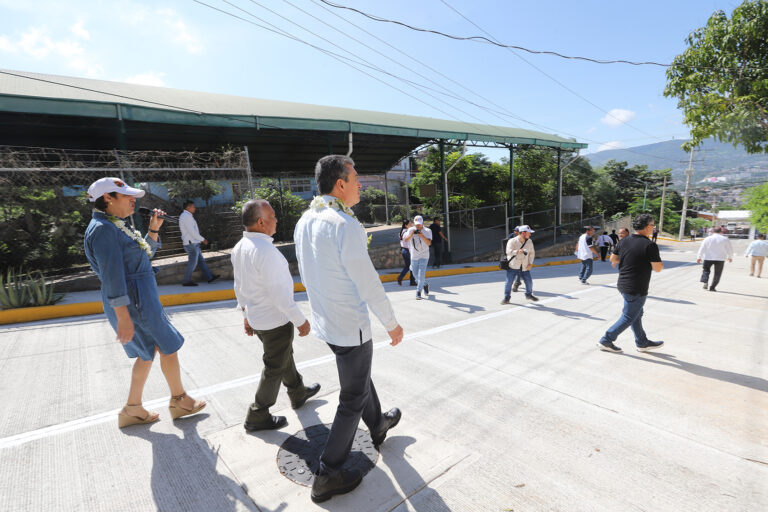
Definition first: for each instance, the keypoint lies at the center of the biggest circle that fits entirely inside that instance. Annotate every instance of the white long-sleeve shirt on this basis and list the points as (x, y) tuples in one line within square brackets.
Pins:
[(341, 282), (188, 227), (715, 247), (263, 283)]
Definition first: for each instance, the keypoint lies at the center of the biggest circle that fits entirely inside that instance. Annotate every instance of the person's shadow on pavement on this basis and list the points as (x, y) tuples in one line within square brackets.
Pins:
[(459, 306), (408, 479), (748, 381), (184, 475)]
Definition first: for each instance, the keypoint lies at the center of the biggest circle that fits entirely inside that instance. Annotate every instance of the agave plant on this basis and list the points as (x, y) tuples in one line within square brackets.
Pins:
[(19, 290), (13, 290), (40, 292)]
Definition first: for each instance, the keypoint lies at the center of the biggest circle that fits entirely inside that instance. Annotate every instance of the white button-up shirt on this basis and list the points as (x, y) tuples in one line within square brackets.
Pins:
[(263, 283), (341, 282), (715, 247), (188, 227)]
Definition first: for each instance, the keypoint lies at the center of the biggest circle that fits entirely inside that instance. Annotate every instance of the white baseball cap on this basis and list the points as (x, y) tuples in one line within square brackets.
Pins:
[(418, 220), (106, 185), (525, 227)]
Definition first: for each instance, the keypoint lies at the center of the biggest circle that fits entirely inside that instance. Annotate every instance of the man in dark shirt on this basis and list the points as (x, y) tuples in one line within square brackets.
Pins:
[(637, 257), (437, 242)]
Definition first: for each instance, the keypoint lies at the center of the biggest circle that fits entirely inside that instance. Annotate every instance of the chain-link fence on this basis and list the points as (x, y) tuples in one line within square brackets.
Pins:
[(473, 233), (44, 210)]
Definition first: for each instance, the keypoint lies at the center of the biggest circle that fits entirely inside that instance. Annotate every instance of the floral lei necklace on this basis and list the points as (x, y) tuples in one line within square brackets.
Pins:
[(318, 203), (131, 233)]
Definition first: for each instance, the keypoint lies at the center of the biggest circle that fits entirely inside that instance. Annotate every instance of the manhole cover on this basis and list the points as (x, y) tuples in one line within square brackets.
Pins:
[(299, 456)]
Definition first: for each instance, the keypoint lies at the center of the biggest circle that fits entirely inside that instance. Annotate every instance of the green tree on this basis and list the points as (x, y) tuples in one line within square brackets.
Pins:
[(182, 190), (757, 203), (721, 80), (41, 228), (370, 209), (474, 181), (287, 205)]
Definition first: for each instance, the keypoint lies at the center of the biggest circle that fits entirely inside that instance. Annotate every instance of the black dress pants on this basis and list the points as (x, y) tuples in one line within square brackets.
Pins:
[(357, 399), (279, 367), (718, 271)]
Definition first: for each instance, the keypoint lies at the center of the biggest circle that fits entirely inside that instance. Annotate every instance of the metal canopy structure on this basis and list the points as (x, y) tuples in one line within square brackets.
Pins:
[(282, 137)]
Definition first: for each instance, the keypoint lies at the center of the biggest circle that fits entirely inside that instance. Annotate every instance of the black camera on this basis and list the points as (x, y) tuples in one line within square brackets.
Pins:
[(525, 253), (417, 232)]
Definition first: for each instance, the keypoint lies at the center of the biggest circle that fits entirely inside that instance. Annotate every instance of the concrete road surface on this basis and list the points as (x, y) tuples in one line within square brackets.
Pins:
[(505, 408)]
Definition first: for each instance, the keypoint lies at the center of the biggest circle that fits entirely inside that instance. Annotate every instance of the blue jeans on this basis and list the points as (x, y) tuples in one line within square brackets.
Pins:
[(517, 274), (406, 254), (631, 315), (586, 269), (419, 269), (195, 259)]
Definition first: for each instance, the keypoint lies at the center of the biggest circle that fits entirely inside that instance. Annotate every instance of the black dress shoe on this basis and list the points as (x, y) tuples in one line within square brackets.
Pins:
[(213, 278), (390, 420), (327, 486), (309, 392), (273, 423)]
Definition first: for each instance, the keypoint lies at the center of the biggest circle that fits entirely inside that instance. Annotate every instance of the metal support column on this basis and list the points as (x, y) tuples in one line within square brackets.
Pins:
[(386, 198), (445, 197), (559, 201), (248, 171), (282, 216), (511, 212)]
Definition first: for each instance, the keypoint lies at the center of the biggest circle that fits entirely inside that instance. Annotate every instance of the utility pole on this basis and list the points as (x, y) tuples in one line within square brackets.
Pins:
[(661, 213), (688, 174)]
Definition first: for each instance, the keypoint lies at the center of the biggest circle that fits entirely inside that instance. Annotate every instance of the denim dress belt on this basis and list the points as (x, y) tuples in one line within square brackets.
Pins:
[(137, 276)]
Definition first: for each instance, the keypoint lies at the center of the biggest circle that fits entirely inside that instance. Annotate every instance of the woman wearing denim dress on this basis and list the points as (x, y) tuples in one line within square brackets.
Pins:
[(120, 258)]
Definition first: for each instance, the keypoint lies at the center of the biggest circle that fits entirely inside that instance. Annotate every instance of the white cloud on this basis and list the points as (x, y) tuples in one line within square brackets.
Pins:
[(39, 44), (592, 129), (79, 31), (617, 117), (616, 144), (149, 78), (180, 33)]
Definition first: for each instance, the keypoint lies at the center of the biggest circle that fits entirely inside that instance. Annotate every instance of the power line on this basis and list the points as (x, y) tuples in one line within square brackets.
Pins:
[(426, 65), (414, 71), (341, 58), (494, 42), (345, 61), (550, 76)]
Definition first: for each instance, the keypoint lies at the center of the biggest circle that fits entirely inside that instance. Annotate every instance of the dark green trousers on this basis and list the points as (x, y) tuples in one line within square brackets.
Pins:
[(279, 367)]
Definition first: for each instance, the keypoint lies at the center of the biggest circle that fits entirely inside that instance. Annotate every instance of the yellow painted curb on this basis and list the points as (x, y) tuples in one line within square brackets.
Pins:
[(20, 315)]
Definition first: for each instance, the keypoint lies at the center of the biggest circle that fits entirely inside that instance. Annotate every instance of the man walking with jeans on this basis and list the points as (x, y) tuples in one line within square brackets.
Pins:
[(191, 238), (520, 254), (585, 251), (637, 256), (420, 239)]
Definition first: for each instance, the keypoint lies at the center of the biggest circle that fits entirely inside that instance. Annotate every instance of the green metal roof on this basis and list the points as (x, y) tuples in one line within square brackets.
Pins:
[(33, 93)]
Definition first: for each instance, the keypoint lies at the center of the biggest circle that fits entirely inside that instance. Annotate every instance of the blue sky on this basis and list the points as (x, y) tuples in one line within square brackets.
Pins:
[(185, 45)]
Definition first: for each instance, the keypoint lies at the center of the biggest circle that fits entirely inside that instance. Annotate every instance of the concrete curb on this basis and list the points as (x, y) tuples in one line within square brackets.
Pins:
[(21, 315)]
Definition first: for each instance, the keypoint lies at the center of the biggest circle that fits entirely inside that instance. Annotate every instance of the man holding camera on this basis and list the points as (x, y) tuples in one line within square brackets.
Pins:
[(420, 239), (520, 253)]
